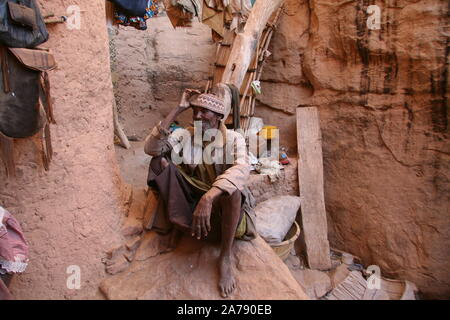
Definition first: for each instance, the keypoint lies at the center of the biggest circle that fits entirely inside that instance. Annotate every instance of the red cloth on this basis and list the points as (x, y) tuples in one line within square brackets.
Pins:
[(13, 247)]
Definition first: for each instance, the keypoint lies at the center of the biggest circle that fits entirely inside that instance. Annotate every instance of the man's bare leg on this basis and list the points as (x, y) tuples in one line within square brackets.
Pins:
[(231, 211)]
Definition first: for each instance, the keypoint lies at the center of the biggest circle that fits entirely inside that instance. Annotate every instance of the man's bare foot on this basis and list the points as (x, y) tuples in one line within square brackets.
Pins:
[(227, 282)]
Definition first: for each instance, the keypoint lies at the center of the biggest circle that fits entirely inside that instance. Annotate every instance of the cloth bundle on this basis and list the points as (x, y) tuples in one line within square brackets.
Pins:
[(13, 247), (135, 16), (193, 6), (220, 13), (214, 13), (181, 12)]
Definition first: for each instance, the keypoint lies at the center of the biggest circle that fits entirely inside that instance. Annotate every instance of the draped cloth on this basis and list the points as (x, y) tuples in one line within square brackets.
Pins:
[(179, 194), (13, 247), (218, 13), (214, 13), (181, 12), (144, 9), (13, 251)]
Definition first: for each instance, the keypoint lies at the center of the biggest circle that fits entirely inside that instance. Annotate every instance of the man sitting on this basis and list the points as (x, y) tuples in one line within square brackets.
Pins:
[(205, 194)]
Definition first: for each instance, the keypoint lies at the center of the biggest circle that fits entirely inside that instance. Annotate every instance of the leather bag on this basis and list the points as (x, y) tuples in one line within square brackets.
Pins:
[(25, 103), (21, 24)]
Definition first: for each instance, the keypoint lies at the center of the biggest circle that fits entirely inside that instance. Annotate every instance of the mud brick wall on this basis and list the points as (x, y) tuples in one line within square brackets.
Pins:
[(71, 214), (287, 185)]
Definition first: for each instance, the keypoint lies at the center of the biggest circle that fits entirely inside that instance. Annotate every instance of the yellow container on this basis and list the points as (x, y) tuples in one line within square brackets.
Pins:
[(269, 132)]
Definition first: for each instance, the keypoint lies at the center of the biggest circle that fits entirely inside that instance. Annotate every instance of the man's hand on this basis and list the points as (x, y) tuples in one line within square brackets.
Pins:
[(201, 223), (184, 105), (184, 102)]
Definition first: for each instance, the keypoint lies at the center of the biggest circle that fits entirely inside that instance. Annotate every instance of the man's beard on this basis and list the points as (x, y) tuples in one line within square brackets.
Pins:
[(206, 125)]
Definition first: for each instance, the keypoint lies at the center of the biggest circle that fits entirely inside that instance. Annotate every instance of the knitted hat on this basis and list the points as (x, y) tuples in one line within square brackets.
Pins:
[(211, 102)]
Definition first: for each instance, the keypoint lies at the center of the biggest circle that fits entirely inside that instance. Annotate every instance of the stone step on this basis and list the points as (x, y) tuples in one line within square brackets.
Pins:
[(190, 272)]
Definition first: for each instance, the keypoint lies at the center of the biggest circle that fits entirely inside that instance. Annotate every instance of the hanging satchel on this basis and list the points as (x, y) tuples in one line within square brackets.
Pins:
[(25, 103), (21, 24)]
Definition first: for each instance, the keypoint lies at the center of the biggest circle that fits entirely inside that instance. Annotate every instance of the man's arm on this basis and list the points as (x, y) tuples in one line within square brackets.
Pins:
[(201, 224), (156, 143), (234, 178)]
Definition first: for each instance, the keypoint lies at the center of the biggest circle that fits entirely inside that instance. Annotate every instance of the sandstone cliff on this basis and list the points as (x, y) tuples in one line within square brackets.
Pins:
[(383, 101), (190, 273)]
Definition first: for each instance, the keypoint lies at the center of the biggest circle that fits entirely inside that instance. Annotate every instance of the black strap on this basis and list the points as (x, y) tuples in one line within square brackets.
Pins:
[(7, 148), (5, 69), (235, 105), (46, 99), (47, 149)]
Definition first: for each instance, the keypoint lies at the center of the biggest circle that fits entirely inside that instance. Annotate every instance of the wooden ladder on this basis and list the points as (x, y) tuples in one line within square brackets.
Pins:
[(254, 71)]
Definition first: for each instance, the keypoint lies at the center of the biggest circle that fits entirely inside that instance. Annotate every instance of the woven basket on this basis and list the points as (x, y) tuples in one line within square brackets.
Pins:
[(283, 249)]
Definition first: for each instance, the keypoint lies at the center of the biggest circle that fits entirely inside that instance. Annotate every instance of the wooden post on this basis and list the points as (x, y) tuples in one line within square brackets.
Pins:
[(118, 128), (310, 176)]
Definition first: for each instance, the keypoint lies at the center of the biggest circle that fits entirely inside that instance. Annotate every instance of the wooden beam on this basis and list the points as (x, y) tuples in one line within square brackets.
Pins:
[(245, 45), (310, 176)]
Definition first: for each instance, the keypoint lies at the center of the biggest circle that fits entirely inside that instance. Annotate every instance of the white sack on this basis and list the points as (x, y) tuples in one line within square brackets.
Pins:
[(275, 216)]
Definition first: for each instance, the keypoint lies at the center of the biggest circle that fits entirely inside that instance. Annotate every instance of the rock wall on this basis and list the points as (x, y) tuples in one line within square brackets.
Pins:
[(152, 68), (383, 102), (70, 215), (190, 273), (286, 184)]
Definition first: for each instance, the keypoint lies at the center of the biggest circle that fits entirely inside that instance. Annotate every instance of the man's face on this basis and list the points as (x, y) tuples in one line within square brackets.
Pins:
[(209, 119)]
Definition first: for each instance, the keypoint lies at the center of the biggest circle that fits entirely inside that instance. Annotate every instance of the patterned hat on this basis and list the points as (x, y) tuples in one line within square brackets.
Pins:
[(210, 102)]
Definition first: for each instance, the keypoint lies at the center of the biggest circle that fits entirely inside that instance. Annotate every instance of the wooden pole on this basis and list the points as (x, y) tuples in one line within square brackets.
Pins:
[(118, 128), (310, 177), (245, 44)]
